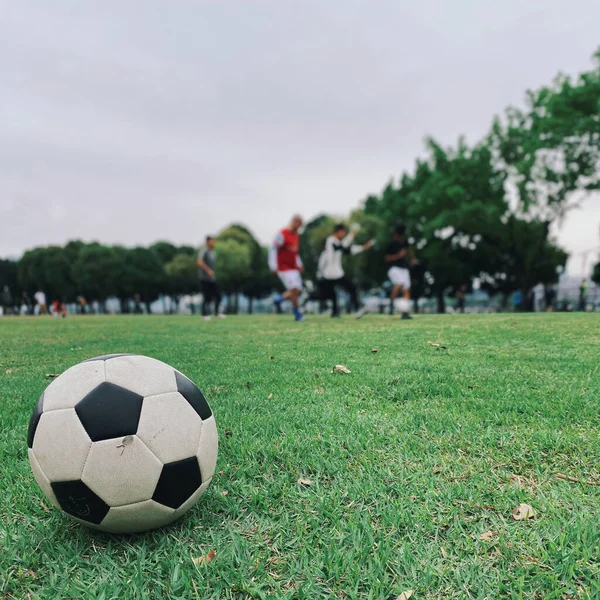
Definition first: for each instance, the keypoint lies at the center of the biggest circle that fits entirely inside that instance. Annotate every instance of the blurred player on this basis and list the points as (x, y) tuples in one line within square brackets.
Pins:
[(284, 259), (399, 256), (337, 245), (211, 292), (40, 298)]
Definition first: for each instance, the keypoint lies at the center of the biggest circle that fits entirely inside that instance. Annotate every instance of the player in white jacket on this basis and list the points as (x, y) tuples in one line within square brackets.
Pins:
[(331, 270)]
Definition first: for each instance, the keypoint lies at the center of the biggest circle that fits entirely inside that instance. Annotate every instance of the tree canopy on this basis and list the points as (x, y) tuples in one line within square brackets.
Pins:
[(551, 148)]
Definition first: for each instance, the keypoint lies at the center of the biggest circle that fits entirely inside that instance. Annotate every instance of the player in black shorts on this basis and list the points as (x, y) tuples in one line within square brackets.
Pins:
[(399, 255)]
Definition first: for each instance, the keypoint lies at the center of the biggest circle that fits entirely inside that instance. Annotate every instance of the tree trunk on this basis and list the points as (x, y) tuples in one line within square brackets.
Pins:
[(236, 303), (504, 303), (415, 305), (441, 303), (250, 301), (124, 306)]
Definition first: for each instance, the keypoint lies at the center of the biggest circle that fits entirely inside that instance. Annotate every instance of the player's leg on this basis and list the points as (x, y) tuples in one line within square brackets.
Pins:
[(218, 297), (203, 307), (406, 283), (295, 293), (207, 299), (287, 295), (395, 293), (331, 294), (292, 281), (349, 286), (355, 303)]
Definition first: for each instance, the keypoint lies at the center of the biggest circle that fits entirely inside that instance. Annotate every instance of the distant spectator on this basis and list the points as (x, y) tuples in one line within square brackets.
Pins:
[(6, 300), (461, 296), (137, 304), (25, 304), (549, 295), (81, 305), (583, 294), (518, 301), (538, 297), (40, 298), (59, 309)]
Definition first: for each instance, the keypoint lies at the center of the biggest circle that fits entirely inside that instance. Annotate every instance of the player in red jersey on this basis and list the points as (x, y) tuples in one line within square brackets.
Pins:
[(284, 260)]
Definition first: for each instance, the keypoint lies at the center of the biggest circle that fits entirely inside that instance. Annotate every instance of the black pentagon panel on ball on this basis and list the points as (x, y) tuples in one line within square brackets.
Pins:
[(190, 391), (76, 499), (109, 411), (178, 481), (35, 419), (107, 357)]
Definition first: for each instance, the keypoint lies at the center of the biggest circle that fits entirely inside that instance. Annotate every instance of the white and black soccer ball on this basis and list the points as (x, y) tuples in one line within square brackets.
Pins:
[(123, 443)]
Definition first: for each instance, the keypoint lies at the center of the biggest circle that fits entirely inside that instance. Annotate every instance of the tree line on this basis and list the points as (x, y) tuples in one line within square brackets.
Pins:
[(97, 271), (483, 211)]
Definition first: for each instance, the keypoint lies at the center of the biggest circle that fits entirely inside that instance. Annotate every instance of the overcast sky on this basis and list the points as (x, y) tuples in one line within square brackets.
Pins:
[(132, 121)]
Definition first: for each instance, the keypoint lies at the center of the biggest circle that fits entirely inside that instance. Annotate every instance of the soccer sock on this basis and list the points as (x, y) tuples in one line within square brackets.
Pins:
[(392, 306), (297, 313)]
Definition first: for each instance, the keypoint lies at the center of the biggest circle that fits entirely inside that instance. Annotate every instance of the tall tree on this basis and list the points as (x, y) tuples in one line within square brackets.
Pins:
[(256, 282), (182, 276), (551, 148), (48, 268), (9, 276), (517, 255), (234, 260), (141, 273), (97, 271), (165, 251)]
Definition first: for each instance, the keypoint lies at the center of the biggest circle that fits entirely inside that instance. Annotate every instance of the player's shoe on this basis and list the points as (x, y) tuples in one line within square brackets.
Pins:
[(361, 313), (300, 319), (406, 317), (222, 316), (207, 318)]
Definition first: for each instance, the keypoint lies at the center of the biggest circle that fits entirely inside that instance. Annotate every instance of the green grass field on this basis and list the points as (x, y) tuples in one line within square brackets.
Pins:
[(411, 458)]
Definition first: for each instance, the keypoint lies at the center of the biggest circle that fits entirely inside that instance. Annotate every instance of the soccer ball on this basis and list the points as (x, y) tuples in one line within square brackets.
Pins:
[(123, 443), (403, 305)]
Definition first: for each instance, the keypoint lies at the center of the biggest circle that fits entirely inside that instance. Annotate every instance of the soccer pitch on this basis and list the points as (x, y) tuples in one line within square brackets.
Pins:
[(358, 485)]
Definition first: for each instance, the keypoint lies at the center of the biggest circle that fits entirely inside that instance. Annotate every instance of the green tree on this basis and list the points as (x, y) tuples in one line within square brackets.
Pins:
[(234, 260), (141, 272), (189, 250), (257, 281), (596, 274), (551, 148), (9, 276), (98, 271), (182, 276), (518, 255), (48, 268), (165, 251)]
